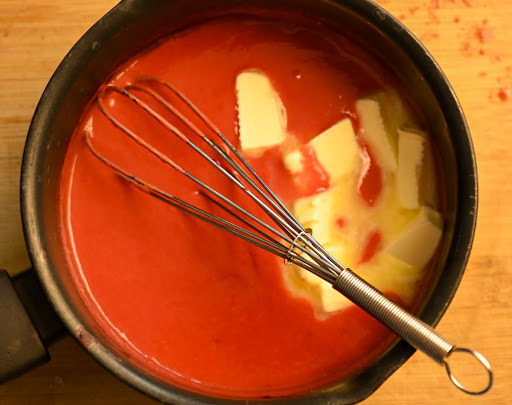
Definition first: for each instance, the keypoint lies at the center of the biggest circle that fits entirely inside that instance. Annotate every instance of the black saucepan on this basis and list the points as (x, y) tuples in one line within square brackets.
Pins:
[(129, 27)]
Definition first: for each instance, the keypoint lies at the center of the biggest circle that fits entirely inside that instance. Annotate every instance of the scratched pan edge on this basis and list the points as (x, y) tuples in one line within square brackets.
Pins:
[(120, 34)]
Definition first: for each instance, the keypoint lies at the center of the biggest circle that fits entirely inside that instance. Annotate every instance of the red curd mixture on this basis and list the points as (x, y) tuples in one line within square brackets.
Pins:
[(194, 305)]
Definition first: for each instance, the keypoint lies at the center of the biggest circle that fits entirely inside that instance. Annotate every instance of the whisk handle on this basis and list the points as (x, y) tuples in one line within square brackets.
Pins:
[(416, 332)]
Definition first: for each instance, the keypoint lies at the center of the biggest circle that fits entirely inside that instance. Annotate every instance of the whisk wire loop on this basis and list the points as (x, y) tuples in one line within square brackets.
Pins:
[(269, 195), (284, 219), (280, 217), (165, 159), (265, 242)]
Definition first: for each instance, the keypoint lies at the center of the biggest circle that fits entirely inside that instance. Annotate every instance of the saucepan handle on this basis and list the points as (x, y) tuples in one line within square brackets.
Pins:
[(28, 324)]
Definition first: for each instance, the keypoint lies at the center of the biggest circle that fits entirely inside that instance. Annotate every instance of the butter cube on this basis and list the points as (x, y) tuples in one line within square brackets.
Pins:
[(336, 149), (309, 277), (318, 213), (375, 134), (392, 275), (294, 161), (261, 114), (410, 157), (332, 300), (304, 209), (416, 245), (394, 112)]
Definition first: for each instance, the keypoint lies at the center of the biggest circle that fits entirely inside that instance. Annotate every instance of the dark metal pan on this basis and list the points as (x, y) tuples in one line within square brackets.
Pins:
[(129, 27)]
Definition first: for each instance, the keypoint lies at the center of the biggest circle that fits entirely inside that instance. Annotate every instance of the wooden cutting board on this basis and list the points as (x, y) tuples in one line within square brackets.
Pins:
[(471, 40)]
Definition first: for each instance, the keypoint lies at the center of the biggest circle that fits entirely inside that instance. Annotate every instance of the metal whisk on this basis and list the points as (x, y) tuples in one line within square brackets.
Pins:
[(280, 232)]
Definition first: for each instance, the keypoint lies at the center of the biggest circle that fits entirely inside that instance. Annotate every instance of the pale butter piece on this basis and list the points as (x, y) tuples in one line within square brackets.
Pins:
[(304, 209), (332, 300), (336, 149), (410, 158), (375, 134), (389, 274), (294, 161), (308, 277), (402, 264), (386, 273), (394, 112), (337, 252), (417, 243), (318, 212), (261, 114)]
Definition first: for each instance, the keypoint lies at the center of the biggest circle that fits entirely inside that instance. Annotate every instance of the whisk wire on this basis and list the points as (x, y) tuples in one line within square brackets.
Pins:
[(284, 217), (284, 223), (165, 159), (290, 230), (265, 242), (273, 199), (293, 240)]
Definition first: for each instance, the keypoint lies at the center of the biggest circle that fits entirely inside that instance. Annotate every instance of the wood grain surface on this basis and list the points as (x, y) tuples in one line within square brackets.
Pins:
[(471, 40)]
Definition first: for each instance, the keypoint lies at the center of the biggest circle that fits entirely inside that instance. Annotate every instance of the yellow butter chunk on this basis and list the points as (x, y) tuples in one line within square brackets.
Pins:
[(332, 300), (410, 157), (318, 212), (389, 274), (294, 161), (261, 115), (409, 229), (394, 112), (417, 243), (386, 273), (309, 277), (337, 252), (336, 149), (375, 134)]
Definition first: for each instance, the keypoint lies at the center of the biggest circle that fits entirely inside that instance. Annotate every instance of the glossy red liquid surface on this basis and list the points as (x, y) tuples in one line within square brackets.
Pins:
[(193, 305)]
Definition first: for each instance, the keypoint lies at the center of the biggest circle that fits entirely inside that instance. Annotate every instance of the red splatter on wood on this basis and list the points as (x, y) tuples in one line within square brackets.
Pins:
[(469, 3), (466, 46), (482, 74), (481, 52), (456, 19), (497, 58), (485, 34), (401, 17), (432, 14), (340, 222), (429, 35), (504, 94), (413, 10), (436, 4)]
